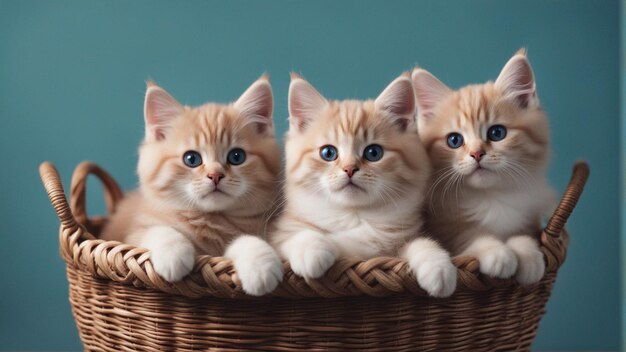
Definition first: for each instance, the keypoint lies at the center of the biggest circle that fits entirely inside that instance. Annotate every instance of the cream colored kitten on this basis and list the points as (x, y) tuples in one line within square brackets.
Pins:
[(489, 145), (355, 181), (207, 177)]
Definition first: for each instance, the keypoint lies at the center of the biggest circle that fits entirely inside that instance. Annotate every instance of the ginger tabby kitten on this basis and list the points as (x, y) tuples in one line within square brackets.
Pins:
[(355, 181), (489, 145), (207, 177)]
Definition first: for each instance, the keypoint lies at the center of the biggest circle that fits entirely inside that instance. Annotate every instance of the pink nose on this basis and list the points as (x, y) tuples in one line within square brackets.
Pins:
[(477, 155), (350, 170), (216, 177)]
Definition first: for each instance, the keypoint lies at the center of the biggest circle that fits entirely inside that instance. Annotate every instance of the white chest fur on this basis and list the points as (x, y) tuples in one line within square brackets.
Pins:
[(364, 233), (358, 237), (506, 213)]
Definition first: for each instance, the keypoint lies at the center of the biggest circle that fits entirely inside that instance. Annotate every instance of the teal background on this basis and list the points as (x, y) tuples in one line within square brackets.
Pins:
[(623, 164), (72, 79)]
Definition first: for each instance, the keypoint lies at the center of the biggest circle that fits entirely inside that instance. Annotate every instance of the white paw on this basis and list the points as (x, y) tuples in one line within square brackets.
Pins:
[(174, 261), (438, 279), (531, 265), (313, 260), (432, 266), (260, 278), (499, 261), (258, 266), (435, 272), (531, 268)]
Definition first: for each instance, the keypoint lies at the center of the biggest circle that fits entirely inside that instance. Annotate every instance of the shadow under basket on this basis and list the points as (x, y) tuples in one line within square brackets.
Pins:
[(121, 304)]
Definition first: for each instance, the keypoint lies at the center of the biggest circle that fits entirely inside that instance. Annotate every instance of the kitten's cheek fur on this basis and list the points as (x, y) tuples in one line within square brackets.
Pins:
[(531, 265), (258, 266), (432, 267), (310, 253), (171, 253)]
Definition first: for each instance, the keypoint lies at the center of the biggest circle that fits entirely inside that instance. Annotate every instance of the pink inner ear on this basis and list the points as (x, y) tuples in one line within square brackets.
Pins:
[(526, 83), (256, 105), (160, 110), (429, 92), (298, 114), (265, 110), (398, 100), (403, 109), (425, 101), (299, 123), (517, 81), (304, 103), (158, 133), (297, 106)]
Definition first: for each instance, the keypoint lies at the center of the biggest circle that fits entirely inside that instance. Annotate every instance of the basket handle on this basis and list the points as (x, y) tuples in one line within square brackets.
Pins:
[(568, 201), (54, 188), (78, 191)]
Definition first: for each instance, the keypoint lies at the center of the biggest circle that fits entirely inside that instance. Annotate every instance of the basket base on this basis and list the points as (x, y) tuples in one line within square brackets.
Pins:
[(114, 317)]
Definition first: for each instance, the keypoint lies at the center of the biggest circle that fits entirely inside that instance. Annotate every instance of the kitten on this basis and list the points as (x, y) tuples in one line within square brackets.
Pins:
[(355, 179), (489, 145), (207, 176)]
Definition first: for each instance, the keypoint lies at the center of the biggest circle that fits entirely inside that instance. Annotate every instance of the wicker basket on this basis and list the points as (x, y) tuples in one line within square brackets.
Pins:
[(121, 304)]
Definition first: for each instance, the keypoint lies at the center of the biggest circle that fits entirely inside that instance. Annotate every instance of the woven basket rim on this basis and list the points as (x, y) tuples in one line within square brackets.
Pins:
[(216, 276)]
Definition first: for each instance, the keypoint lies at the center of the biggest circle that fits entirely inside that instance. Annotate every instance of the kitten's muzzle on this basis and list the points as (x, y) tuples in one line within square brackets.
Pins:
[(477, 154), (352, 186), (216, 177), (350, 170)]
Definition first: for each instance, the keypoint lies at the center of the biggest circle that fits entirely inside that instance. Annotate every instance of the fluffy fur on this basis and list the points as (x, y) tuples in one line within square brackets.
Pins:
[(214, 208), (487, 198), (353, 207)]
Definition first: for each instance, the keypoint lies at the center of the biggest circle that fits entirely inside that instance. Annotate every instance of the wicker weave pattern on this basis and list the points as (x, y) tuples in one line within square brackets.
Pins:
[(120, 303)]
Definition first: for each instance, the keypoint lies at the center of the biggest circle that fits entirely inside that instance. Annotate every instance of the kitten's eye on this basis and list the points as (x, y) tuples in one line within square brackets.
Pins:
[(328, 153), (496, 133), (373, 152), (236, 156), (192, 158), (455, 140)]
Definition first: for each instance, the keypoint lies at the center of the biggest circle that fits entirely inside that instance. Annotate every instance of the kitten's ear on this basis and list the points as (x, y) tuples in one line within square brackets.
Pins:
[(398, 101), (517, 80), (160, 109), (305, 103), (257, 103), (429, 91)]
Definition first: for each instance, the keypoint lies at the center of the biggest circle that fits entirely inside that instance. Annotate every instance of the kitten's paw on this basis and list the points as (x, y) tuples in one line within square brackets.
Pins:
[(432, 267), (313, 260), (437, 276), (530, 269), (499, 261), (173, 260), (260, 277), (531, 264), (258, 266)]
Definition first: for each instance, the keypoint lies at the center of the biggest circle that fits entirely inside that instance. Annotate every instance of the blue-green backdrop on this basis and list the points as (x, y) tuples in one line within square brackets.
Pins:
[(72, 82)]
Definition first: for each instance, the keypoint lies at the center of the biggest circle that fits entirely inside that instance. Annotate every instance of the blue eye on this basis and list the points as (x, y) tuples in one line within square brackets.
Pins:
[(328, 153), (192, 158), (236, 156), (455, 140), (373, 152), (496, 133)]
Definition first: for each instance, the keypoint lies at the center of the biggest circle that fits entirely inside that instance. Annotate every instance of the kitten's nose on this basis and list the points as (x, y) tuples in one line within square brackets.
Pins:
[(216, 177), (478, 154), (350, 170)]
